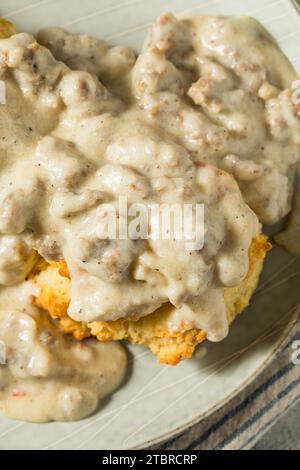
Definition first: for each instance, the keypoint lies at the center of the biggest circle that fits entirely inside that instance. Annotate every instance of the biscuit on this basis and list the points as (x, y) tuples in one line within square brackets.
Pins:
[(169, 345)]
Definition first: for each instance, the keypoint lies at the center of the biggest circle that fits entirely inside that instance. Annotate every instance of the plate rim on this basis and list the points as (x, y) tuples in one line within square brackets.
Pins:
[(278, 347)]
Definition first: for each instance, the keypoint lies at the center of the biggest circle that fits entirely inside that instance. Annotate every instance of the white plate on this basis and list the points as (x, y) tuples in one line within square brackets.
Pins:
[(158, 401)]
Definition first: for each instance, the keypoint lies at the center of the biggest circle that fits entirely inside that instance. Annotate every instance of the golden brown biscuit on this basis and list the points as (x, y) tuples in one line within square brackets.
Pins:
[(153, 331), (7, 29)]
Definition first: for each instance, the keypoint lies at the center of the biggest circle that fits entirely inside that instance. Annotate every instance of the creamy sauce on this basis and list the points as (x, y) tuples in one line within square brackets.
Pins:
[(222, 88), (206, 97), (80, 153), (45, 375)]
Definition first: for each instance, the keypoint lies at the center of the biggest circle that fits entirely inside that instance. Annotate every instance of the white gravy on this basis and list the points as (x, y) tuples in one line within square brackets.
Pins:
[(84, 124), (44, 374), (84, 147)]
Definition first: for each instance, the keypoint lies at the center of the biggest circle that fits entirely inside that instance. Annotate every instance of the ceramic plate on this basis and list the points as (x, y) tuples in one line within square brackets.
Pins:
[(158, 401)]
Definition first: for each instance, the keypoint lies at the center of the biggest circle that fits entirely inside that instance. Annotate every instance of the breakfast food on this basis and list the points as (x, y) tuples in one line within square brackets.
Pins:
[(239, 115), (46, 375), (78, 155), (132, 193), (156, 331), (223, 87)]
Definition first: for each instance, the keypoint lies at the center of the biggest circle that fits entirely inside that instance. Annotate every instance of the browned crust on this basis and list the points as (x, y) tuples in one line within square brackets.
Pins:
[(153, 330), (7, 29)]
